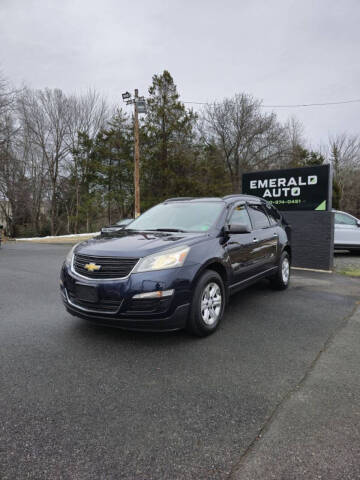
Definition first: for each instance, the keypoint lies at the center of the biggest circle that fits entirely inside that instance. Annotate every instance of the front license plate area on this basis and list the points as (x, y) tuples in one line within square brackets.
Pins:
[(86, 293)]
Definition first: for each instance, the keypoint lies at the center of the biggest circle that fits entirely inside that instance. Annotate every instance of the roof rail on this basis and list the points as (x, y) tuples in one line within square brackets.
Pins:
[(178, 199), (235, 195), (232, 195)]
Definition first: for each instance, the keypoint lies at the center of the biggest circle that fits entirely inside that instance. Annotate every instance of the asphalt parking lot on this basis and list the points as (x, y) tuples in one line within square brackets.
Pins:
[(84, 402)]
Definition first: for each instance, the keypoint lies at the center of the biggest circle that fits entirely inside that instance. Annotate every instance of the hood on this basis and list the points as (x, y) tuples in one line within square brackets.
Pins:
[(127, 243)]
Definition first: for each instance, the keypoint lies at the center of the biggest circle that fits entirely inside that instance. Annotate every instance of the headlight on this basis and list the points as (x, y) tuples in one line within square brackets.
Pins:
[(173, 258), (69, 256)]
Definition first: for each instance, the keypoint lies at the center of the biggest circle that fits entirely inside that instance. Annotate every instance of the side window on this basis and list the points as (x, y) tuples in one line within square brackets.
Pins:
[(258, 217), (240, 215), (273, 214), (343, 219)]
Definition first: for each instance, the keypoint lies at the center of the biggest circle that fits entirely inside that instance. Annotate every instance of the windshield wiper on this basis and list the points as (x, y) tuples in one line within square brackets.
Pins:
[(167, 230)]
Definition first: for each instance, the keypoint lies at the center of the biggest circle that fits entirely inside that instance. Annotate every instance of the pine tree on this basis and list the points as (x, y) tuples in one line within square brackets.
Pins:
[(167, 137), (114, 154)]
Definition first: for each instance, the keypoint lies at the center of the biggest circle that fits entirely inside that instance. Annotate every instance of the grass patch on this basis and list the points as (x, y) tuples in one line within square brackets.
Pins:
[(351, 273)]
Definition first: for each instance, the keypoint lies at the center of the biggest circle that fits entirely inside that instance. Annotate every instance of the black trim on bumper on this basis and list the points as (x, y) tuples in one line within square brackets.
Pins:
[(176, 321)]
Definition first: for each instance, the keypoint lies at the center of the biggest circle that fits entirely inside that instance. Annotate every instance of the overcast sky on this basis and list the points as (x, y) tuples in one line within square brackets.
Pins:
[(281, 51)]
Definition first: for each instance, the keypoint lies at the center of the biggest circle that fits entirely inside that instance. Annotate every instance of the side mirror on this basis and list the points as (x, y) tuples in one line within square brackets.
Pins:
[(358, 223), (237, 228)]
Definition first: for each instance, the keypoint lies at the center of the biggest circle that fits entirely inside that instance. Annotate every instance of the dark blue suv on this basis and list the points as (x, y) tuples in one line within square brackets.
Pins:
[(176, 265)]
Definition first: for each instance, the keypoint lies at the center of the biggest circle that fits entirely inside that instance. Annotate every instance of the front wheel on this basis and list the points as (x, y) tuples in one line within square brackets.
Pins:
[(208, 304), (281, 279)]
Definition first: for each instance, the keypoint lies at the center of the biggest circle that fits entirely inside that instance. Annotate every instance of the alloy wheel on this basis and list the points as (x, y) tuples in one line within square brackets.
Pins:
[(211, 302), (285, 270)]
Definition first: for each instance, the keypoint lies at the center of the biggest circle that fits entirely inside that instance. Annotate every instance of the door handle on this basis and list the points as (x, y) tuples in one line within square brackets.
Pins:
[(275, 234), (255, 239)]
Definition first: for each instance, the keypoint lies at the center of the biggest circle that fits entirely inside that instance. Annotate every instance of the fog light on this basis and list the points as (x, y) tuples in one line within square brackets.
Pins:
[(157, 294)]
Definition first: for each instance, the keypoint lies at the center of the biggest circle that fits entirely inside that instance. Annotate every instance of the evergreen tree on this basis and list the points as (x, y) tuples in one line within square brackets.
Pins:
[(169, 161), (114, 162), (80, 200), (101, 176)]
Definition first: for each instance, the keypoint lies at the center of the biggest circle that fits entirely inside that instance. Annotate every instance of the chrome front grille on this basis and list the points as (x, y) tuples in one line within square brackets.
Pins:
[(110, 267)]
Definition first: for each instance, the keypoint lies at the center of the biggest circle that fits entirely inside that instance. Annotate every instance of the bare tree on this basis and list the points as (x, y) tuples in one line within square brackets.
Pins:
[(296, 146), (7, 102), (247, 137), (88, 116), (36, 174), (10, 168), (44, 116), (344, 153)]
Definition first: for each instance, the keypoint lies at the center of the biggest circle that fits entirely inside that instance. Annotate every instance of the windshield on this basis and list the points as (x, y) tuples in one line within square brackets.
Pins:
[(179, 216)]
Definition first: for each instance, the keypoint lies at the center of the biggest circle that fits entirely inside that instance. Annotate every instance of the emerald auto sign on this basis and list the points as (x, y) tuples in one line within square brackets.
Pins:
[(306, 188)]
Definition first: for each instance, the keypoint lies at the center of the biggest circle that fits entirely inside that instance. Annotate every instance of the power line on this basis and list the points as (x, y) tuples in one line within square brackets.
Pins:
[(298, 105), (313, 104)]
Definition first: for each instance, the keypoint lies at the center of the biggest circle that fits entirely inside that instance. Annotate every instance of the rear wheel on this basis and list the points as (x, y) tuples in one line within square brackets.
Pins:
[(281, 279), (208, 304)]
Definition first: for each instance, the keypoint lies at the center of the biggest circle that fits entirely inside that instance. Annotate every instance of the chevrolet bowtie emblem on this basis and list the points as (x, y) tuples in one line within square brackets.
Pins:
[(92, 267)]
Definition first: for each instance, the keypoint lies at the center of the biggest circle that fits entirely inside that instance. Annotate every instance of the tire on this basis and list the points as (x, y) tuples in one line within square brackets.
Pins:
[(204, 319), (280, 281)]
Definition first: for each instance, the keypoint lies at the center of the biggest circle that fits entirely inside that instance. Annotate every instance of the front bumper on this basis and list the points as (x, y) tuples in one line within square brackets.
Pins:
[(117, 308), (176, 321)]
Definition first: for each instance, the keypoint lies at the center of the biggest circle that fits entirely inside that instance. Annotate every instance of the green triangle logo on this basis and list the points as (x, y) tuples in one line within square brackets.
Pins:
[(322, 206)]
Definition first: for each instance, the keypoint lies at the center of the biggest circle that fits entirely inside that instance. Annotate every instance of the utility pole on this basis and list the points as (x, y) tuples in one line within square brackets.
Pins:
[(139, 107), (136, 156)]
